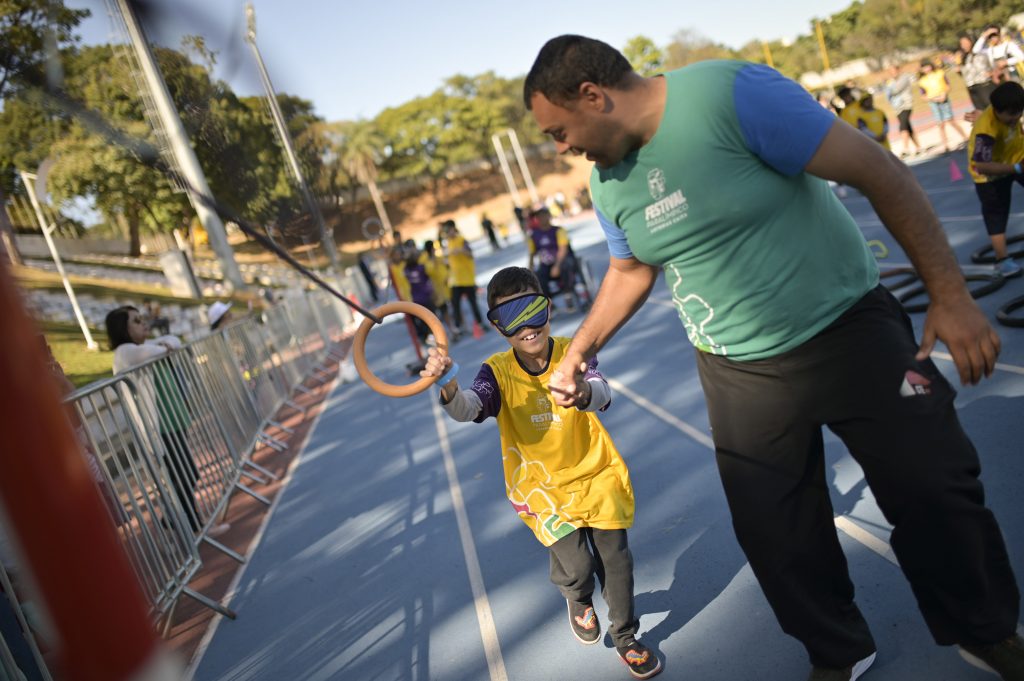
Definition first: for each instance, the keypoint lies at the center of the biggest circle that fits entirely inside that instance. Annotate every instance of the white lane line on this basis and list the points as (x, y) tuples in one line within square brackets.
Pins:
[(677, 423), (851, 529), (999, 365), (858, 533), (488, 632)]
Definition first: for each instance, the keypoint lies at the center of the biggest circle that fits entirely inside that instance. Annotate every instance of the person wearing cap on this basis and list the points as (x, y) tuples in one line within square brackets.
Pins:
[(219, 315)]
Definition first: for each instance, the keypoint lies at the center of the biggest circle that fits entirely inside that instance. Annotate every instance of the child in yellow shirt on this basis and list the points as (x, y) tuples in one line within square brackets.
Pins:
[(995, 152), (563, 474)]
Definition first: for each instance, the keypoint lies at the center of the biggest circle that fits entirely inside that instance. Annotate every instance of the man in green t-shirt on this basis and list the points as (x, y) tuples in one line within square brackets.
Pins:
[(717, 175)]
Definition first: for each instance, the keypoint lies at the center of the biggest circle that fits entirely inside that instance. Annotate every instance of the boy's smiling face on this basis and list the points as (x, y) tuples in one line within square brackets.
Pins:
[(528, 342)]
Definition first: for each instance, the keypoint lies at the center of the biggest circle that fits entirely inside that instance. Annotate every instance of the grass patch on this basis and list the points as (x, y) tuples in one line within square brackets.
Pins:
[(80, 364)]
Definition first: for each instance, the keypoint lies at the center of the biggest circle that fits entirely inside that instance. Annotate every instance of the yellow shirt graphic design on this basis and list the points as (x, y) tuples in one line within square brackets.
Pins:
[(562, 471)]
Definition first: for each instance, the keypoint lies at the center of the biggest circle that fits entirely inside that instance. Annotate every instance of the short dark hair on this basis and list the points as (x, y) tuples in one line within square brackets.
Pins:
[(509, 281), (1008, 97), (566, 62), (117, 326), (844, 92)]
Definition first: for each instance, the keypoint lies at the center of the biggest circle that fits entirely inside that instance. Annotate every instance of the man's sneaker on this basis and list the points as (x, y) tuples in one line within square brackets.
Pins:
[(584, 624), (640, 660), (1008, 268), (1004, 659), (851, 673)]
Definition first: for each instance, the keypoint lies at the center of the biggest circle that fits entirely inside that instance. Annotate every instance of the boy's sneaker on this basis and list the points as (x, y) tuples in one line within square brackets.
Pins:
[(1004, 659), (1008, 268), (583, 621), (851, 673), (640, 660)]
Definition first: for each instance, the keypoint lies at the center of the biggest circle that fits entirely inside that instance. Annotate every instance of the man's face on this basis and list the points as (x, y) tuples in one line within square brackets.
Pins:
[(581, 126)]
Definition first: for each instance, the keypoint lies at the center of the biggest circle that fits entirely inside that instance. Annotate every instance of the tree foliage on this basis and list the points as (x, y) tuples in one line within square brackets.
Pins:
[(645, 57), (26, 26)]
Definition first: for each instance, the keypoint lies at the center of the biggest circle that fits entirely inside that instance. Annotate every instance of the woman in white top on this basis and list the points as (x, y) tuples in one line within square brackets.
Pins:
[(128, 333)]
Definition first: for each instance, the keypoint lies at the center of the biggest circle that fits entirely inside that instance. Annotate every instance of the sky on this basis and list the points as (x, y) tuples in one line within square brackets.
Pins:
[(353, 59)]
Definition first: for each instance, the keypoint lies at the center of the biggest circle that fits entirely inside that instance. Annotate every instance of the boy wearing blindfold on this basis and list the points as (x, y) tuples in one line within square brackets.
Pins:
[(563, 474)]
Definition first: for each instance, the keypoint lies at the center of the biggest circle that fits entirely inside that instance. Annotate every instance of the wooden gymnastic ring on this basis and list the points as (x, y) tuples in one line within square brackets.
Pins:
[(359, 348)]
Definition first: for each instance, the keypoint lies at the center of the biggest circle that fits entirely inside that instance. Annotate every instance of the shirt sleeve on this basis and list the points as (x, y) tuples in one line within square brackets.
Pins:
[(562, 237), (983, 148), (485, 385), (780, 121), (617, 245), (600, 391)]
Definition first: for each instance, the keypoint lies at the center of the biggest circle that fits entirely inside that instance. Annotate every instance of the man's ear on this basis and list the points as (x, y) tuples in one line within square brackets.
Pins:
[(592, 95)]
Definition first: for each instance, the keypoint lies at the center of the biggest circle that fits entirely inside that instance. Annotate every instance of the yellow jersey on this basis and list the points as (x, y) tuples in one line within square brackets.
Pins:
[(849, 113), (401, 283), (993, 141), (562, 471), (934, 84), (437, 270), (875, 124), (461, 263)]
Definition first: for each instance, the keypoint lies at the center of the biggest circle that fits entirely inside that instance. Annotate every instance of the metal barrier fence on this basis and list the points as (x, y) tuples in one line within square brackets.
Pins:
[(172, 439)]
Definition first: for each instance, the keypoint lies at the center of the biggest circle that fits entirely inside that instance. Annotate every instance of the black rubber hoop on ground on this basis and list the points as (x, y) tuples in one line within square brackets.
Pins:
[(1005, 314), (994, 283), (986, 256), (910, 276)]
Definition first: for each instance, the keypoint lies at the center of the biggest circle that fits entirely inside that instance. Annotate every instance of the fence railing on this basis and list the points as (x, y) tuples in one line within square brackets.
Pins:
[(170, 441)]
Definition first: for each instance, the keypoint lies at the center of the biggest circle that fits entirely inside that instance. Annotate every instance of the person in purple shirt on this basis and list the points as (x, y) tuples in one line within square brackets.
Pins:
[(420, 288)]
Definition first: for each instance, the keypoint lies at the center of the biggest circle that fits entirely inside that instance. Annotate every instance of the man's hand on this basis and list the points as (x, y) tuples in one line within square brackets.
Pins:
[(965, 330), (568, 386)]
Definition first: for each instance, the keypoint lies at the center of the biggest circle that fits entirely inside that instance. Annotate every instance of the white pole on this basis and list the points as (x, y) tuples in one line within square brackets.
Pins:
[(181, 148), (523, 167), (326, 239), (503, 160), (28, 179), (379, 203)]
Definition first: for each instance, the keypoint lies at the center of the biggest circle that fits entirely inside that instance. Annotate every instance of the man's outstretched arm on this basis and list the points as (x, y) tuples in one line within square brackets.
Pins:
[(624, 289), (953, 317)]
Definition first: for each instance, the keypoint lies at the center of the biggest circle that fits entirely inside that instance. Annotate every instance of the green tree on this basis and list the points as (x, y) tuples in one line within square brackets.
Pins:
[(416, 133), (645, 57), (24, 29), (28, 28), (125, 189), (481, 106)]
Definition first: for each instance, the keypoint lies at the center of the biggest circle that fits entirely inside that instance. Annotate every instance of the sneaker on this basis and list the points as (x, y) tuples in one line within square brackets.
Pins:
[(583, 622), (848, 674), (1008, 268), (640, 660), (1004, 659)]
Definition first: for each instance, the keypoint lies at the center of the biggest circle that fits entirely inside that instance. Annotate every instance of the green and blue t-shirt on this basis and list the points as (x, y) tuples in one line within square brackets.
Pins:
[(759, 256)]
